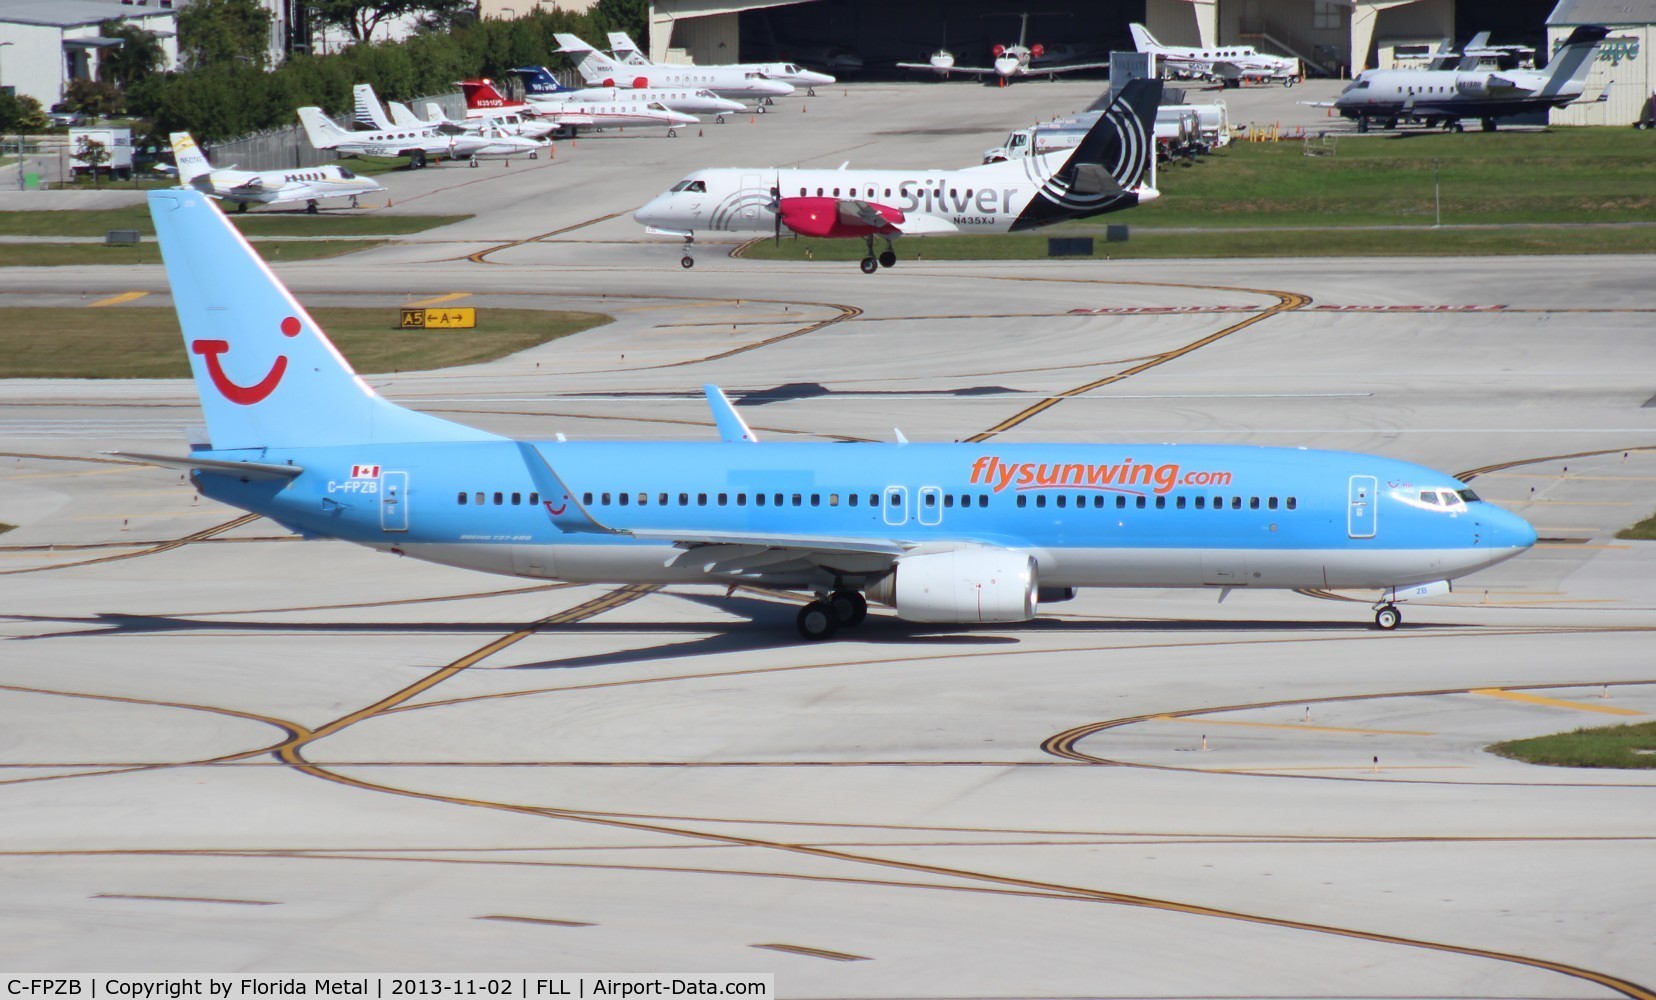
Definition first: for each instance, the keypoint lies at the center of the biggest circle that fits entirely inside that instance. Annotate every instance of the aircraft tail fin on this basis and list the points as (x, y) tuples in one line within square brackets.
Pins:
[(402, 116), (1470, 56), (320, 129), (626, 50), (592, 64), (267, 375), (370, 113), (1574, 58), (192, 163), (538, 81), (482, 95), (1113, 167), (1143, 41)]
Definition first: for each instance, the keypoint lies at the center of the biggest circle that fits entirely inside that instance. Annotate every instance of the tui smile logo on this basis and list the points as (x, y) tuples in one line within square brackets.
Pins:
[(244, 395)]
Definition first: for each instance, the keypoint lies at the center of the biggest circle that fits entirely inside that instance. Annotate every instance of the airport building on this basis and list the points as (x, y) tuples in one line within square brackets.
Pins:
[(1333, 37), (44, 44)]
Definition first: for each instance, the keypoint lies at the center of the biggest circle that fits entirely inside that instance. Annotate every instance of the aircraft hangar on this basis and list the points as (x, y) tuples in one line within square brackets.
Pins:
[(840, 34)]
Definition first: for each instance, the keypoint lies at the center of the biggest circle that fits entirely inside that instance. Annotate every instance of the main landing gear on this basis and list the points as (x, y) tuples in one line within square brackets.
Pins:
[(824, 616), (872, 263), (672, 133), (719, 120), (310, 207), (1387, 617)]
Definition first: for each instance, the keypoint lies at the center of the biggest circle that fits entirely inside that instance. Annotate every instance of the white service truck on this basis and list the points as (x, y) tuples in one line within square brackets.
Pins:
[(116, 141), (1181, 130)]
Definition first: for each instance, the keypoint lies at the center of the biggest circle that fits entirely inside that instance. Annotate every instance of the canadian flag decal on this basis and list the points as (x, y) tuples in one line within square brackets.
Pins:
[(365, 472)]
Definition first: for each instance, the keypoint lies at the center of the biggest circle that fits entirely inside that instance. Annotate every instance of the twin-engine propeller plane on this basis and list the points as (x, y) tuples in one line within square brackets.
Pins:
[(1229, 65), (946, 533), (1112, 168), (1020, 59)]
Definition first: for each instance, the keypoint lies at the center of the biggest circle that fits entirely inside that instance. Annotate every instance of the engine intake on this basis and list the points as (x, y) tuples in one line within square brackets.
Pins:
[(961, 586)]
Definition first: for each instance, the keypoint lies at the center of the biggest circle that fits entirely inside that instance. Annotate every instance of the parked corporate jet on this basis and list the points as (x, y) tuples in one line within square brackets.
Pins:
[(1447, 96), (599, 70), (1015, 60), (1113, 167), (541, 86), (627, 53), (265, 187), (1226, 64), (947, 533), (392, 115), (415, 143), (482, 99)]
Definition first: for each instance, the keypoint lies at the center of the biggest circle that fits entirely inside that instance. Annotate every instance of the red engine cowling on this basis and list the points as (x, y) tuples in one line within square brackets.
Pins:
[(820, 217), (641, 82), (1037, 50), (609, 81), (998, 51)]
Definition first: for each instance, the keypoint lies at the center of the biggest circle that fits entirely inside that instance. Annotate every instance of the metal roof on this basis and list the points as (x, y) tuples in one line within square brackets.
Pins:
[(75, 13), (1606, 12)]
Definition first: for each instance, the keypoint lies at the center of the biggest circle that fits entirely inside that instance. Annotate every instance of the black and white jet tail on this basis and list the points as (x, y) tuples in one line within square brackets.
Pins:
[(1113, 167)]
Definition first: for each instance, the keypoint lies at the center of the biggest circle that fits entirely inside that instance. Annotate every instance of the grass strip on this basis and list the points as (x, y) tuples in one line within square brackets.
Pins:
[(288, 220), (145, 342), (81, 254), (1606, 746), (1643, 531)]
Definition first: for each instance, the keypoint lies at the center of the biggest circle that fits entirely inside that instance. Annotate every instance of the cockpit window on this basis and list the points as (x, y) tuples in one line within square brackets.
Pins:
[(790, 68), (697, 186), (345, 172), (1468, 496), (1429, 496)]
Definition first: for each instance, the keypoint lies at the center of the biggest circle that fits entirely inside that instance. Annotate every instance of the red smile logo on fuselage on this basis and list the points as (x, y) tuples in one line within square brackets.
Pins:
[(244, 395)]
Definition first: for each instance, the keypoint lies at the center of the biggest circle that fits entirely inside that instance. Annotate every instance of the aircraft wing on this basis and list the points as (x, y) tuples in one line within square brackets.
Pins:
[(252, 185), (569, 119), (934, 69), (1067, 68), (975, 70), (856, 212), (926, 225)]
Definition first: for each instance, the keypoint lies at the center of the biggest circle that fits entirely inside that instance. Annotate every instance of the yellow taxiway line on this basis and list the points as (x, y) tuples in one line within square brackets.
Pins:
[(438, 300), (1291, 725), (1535, 699), (115, 300)]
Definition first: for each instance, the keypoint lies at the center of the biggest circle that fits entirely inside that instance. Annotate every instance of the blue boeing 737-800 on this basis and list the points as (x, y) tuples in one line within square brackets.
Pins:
[(940, 532)]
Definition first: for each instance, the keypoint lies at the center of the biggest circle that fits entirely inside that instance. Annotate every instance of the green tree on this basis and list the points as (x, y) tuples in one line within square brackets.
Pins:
[(359, 18), (137, 57), (219, 31), (21, 114), (94, 97), (631, 16)]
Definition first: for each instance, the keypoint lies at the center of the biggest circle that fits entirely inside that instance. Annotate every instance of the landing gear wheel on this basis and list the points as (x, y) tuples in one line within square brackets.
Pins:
[(1456, 127), (1289, 83), (241, 206), (1362, 124), (719, 120), (310, 207), (472, 162), (534, 154), (761, 109), (1489, 124), (849, 607), (816, 621), (888, 259), (687, 262), (672, 133), (1388, 618), (869, 265), (810, 91)]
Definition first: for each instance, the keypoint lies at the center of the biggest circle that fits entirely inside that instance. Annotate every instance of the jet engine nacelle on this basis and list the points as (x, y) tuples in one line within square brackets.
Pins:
[(1472, 85), (641, 82), (821, 218), (1037, 50), (960, 586), (998, 51)]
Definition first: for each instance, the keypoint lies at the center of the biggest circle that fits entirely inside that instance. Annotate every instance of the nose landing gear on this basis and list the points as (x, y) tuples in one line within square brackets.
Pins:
[(688, 261), (1387, 617)]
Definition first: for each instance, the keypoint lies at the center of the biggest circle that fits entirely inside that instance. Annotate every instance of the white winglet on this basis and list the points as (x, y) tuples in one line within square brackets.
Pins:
[(899, 432), (732, 428)]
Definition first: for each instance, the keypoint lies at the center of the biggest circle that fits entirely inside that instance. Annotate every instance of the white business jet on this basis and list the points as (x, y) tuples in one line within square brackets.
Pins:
[(265, 187)]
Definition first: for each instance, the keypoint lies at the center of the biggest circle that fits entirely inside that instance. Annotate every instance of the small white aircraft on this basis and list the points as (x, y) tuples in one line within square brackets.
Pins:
[(1015, 60), (599, 70), (1229, 65), (1112, 168), (415, 143), (265, 187), (627, 53), (395, 115), (483, 100), (540, 85)]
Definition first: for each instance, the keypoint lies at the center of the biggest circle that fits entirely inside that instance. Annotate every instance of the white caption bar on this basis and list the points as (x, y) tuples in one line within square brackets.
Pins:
[(386, 986)]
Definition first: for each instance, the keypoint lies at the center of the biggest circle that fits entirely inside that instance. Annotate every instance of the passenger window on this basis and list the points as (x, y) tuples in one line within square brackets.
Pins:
[(606, 499), (662, 499), (776, 500), (816, 499), (499, 499), (1253, 503), (758, 499), (851, 498), (948, 500), (896, 498), (480, 499), (724, 498), (873, 499), (534, 499), (833, 499), (1098, 501), (684, 500), (1292, 503), (1023, 501), (1040, 500), (1062, 500), (643, 499), (1271, 503), (1179, 503), (741, 499), (1140, 503), (622, 498), (1161, 503), (517, 499), (983, 499), (1201, 503), (797, 500), (1236, 503), (461, 499), (1121, 503)]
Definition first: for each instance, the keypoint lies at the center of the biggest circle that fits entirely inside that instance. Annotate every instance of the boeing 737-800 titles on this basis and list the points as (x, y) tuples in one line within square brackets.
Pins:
[(1112, 168), (947, 533)]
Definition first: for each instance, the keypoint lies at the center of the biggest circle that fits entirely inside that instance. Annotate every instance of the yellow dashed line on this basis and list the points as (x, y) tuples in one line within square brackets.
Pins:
[(450, 297), (1535, 699), (115, 300), (1290, 725)]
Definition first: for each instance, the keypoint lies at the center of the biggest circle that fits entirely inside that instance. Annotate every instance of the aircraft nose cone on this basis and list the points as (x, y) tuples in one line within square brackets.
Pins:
[(649, 213)]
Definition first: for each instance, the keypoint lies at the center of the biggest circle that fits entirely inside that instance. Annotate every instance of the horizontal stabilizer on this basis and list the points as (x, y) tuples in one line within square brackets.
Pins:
[(246, 470)]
